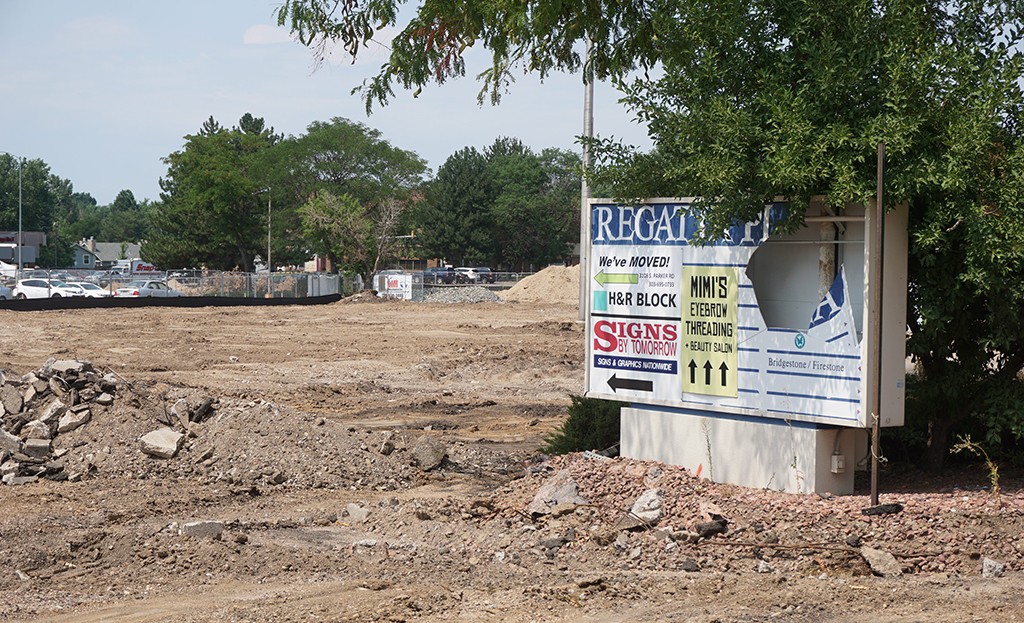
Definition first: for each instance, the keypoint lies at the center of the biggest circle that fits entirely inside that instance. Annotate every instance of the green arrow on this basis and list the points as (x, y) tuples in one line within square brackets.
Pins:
[(604, 278)]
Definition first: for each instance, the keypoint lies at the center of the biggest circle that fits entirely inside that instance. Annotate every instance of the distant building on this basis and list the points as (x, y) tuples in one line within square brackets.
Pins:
[(31, 241), (90, 254)]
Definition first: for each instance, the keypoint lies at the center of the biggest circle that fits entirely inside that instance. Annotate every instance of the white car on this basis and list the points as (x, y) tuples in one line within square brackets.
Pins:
[(43, 289), (146, 289), (89, 290)]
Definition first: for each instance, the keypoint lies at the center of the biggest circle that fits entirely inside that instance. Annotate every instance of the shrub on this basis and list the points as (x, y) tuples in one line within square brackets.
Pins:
[(593, 424)]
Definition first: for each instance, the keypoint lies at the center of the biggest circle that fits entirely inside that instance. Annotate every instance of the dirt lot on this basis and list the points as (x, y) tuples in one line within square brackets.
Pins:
[(308, 458)]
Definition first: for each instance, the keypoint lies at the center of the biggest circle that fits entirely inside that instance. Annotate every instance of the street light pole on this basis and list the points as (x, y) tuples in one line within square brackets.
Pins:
[(270, 281), (17, 269)]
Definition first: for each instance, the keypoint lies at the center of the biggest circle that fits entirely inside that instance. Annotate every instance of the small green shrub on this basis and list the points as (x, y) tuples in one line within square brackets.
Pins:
[(593, 424)]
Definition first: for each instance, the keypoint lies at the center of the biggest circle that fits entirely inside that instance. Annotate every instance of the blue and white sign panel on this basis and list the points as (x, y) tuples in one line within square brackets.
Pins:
[(679, 325)]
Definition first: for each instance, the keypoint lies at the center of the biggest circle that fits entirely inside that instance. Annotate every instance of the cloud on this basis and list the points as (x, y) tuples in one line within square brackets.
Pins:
[(263, 34)]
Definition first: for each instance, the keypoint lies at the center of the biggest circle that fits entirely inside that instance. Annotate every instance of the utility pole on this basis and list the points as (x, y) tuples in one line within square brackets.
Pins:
[(588, 133)]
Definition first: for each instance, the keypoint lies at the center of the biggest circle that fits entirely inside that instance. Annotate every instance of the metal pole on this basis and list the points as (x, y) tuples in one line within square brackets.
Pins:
[(588, 133), (875, 396), (17, 271), (270, 282)]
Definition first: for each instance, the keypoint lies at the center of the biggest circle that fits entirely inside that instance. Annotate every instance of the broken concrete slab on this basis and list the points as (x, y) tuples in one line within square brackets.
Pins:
[(53, 411), (11, 399), (105, 399), (73, 419), (162, 443), (9, 443)]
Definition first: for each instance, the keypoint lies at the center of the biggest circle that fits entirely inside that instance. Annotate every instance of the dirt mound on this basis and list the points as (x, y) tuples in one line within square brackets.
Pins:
[(554, 284)]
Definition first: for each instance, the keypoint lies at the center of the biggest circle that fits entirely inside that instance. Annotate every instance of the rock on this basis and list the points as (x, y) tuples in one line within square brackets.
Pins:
[(180, 411), (429, 452), (64, 367), (162, 443), (559, 489), (764, 567), (36, 429), (387, 447), (708, 529), (11, 399), (689, 565), (37, 448), (72, 420), (648, 506), (881, 562), (357, 513), (53, 411), (9, 443), (19, 480), (105, 399), (202, 529), (991, 568)]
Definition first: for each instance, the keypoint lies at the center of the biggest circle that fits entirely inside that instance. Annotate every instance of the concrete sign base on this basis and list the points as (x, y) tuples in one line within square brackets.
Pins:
[(794, 457)]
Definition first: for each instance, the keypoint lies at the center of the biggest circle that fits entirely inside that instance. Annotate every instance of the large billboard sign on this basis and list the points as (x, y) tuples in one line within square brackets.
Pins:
[(681, 325)]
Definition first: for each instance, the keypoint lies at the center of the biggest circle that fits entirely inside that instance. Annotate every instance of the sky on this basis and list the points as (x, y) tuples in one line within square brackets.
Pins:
[(103, 90)]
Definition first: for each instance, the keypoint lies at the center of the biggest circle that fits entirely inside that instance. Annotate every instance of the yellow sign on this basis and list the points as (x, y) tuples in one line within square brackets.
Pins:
[(709, 299)]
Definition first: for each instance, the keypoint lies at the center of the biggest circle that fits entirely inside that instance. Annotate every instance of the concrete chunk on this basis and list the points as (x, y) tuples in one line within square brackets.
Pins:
[(9, 442), (37, 429), (559, 489), (162, 443), (105, 399), (648, 506), (202, 529), (11, 399), (37, 448), (882, 563), (65, 366), (429, 452), (53, 411), (72, 420)]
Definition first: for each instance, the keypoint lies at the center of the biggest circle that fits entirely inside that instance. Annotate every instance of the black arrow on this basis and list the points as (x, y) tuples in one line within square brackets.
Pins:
[(724, 368), (637, 384), (693, 372), (707, 373)]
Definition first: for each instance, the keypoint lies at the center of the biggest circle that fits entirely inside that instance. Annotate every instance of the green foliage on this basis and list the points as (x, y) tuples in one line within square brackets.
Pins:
[(507, 206), (222, 188), (592, 424)]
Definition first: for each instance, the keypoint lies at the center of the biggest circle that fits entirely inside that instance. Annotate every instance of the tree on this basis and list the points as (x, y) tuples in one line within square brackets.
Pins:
[(768, 98), (507, 206), (453, 221), (211, 213), (352, 164)]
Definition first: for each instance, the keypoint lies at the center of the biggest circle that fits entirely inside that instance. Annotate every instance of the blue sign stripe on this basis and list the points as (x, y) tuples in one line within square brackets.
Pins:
[(808, 353), (834, 399), (841, 335), (744, 349), (856, 379), (754, 370)]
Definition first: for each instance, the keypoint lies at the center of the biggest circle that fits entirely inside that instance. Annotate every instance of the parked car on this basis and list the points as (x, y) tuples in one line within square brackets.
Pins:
[(485, 275), (466, 275), (89, 290), (438, 274), (143, 289), (43, 289), (5, 293)]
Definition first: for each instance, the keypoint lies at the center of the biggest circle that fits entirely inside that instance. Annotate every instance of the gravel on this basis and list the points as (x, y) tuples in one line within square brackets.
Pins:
[(460, 294)]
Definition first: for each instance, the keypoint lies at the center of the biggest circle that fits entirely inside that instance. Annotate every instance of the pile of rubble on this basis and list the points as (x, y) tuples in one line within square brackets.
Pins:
[(459, 295), (38, 407)]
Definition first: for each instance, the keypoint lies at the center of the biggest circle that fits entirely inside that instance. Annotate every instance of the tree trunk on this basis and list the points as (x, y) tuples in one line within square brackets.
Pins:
[(938, 444)]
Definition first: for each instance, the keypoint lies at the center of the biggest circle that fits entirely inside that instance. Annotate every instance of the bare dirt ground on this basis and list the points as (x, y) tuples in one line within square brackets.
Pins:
[(307, 459)]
